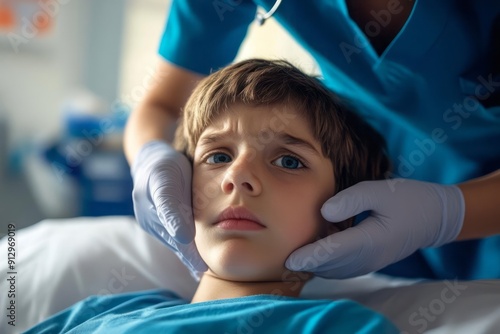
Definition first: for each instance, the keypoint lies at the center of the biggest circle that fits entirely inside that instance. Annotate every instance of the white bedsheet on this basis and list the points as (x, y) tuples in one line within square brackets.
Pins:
[(59, 262)]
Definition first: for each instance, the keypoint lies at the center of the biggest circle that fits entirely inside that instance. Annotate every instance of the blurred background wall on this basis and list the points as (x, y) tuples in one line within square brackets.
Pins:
[(67, 67)]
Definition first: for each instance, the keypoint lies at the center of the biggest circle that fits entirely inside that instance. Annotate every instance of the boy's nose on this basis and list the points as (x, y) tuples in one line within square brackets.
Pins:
[(241, 176)]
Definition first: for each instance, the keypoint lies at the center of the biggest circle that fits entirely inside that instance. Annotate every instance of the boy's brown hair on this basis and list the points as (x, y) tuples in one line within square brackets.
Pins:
[(355, 149)]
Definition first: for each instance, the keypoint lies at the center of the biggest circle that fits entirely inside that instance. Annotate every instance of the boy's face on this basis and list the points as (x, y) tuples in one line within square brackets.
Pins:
[(264, 163)]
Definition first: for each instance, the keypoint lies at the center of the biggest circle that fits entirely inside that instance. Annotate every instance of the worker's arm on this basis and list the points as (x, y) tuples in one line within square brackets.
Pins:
[(405, 215), (155, 117), (162, 176), (482, 207)]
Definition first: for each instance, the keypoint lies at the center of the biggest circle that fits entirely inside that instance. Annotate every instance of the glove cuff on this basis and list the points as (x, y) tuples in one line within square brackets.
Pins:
[(147, 152), (453, 214)]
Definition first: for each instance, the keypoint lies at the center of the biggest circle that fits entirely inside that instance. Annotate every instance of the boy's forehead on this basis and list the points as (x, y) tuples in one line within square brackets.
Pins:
[(264, 122), (248, 118)]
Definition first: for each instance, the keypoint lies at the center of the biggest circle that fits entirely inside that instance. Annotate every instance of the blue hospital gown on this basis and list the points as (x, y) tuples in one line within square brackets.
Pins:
[(161, 311)]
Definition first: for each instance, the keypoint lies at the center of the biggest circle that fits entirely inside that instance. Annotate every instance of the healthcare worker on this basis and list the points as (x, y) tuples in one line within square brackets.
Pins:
[(424, 73)]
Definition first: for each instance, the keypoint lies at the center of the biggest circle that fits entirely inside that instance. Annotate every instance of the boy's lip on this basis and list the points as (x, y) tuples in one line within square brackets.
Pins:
[(237, 213)]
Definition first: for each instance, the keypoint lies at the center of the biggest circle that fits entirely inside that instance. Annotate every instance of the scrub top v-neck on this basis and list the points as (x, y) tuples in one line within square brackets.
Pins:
[(429, 93), (380, 20)]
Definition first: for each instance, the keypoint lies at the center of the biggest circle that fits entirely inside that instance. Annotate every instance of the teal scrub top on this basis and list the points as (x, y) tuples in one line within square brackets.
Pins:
[(434, 93), (161, 311)]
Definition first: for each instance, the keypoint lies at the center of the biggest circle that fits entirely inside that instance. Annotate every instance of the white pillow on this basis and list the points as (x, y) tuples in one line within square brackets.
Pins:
[(60, 262)]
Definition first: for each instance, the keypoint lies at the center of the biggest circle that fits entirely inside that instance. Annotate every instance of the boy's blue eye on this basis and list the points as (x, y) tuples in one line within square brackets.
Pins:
[(218, 158), (289, 162)]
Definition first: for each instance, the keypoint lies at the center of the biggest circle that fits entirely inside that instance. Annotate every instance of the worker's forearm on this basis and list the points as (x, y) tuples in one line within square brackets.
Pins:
[(482, 207), (148, 122), (155, 118)]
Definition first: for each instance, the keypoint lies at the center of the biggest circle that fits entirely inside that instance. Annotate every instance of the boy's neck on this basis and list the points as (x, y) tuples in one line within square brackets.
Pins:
[(212, 287)]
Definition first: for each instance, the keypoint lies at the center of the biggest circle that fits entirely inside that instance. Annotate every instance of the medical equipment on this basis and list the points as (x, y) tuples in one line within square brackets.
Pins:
[(262, 17), (85, 167)]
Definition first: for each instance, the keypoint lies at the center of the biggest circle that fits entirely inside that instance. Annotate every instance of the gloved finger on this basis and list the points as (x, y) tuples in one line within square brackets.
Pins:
[(349, 202), (190, 256), (157, 230), (187, 253), (194, 262), (343, 252), (177, 218), (171, 198)]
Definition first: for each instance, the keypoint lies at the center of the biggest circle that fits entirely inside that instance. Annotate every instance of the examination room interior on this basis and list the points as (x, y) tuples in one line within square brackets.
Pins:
[(71, 71)]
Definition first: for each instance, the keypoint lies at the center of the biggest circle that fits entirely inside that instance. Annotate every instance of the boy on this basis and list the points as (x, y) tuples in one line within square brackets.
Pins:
[(268, 146)]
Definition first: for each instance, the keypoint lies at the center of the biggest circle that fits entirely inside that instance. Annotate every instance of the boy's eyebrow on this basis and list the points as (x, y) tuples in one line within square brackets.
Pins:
[(291, 140), (212, 138), (280, 136)]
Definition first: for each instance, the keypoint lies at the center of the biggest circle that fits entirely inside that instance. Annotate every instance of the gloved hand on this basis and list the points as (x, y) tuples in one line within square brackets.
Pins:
[(162, 201), (405, 215)]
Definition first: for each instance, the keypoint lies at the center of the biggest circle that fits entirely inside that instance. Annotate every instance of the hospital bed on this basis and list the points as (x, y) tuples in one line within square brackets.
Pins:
[(59, 262)]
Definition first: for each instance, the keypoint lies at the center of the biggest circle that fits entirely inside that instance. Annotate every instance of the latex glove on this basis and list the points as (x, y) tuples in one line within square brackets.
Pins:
[(162, 201), (405, 215)]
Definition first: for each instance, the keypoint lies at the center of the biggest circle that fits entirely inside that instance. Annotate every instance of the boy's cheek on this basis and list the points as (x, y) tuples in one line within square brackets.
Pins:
[(305, 234), (200, 201), (201, 243)]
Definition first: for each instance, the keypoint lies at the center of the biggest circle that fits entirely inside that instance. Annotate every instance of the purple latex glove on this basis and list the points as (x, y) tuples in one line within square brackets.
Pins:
[(162, 201)]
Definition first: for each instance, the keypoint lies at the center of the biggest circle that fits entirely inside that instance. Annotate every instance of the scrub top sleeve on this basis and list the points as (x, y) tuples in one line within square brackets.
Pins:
[(203, 36)]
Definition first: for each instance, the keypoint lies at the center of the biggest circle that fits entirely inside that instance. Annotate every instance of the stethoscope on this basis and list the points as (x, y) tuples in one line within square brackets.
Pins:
[(262, 17)]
